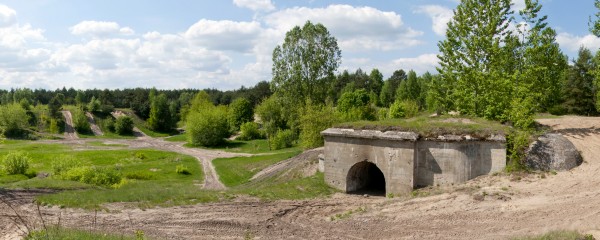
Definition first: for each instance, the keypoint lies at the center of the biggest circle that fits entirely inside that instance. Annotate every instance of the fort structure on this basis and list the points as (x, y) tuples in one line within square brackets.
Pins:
[(398, 162)]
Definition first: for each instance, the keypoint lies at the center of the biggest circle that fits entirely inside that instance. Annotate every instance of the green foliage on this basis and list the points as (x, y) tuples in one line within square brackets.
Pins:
[(517, 143), (304, 64), (24, 103), (208, 126), (579, 89), (109, 124), (13, 120), (250, 131), (403, 109), (522, 113), (409, 89), (382, 113), (282, 139), (271, 114), (160, 116), (354, 105), (80, 122), (314, 120), (94, 105), (238, 170), (595, 25), (140, 175), (390, 86), (240, 111), (101, 176), (55, 105), (182, 169), (64, 163), (124, 125), (53, 128), (15, 163)]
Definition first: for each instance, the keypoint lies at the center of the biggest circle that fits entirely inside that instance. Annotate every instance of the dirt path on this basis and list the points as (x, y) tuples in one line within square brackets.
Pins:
[(488, 207), (95, 129), (70, 133)]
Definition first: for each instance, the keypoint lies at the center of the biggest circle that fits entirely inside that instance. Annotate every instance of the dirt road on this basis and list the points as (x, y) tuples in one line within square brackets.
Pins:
[(489, 207)]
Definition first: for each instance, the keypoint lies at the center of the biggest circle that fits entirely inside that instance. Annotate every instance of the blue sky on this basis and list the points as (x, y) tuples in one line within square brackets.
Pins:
[(227, 43)]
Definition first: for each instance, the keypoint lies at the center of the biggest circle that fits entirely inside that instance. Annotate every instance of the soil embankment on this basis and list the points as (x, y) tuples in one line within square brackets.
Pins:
[(95, 129), (70, 133)]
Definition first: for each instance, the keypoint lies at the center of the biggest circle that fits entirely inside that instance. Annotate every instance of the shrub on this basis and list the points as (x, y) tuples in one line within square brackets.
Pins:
[(13, 120), (239, 112), (250, 131), (207, 126), (140, 155), (124, 125), (382, 113), (521, 113), (271, 114), (315, 119), (64, 164), (109, 124), (517, 143), (283, 139), (354, 105), (92, 175), (403, 109), (80, 122), (181, 169), (15, 163)]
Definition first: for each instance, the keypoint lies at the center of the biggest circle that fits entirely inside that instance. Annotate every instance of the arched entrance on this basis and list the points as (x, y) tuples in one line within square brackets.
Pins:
[(365, 178)]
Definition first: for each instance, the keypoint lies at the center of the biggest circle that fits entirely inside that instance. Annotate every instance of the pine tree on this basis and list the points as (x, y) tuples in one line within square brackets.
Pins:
[(579, 89)]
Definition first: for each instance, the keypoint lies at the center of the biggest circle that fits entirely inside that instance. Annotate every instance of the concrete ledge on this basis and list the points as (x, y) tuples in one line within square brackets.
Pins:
[(371, 134)]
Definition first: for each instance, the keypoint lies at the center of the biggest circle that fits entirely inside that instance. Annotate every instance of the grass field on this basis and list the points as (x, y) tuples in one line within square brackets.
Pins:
[(238, 170), (236, 146)]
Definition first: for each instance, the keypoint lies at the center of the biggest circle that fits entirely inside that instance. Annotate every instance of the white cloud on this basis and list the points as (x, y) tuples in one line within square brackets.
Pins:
[(255, 5), (356, 28), (572, 42), (100, 29), (8, 16), (224, 35), (440, 16), (518, 5), (420, 64)]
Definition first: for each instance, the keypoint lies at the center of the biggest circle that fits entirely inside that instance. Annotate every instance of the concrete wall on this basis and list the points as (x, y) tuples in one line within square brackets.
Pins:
[(405, 161)]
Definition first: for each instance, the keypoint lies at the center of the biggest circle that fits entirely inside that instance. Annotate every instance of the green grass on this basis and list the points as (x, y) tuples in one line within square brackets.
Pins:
[(292, 188), (177, 138), (558, 235), (163, 186), (433, 127), (546, 116), (60, 233), (238, 170), (253, 147), (102, 144), (141, 124)]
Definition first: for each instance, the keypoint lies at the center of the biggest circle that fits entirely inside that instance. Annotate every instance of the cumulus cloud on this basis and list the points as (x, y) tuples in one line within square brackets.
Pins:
[(224, 35), (255, 5), (356, 28), (573, 43), (440, 16), (421, 63), (99, 29), (8, 16)]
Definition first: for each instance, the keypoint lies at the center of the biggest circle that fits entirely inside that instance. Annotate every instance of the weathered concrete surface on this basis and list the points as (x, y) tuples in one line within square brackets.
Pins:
[(552, 152), (405, 160)]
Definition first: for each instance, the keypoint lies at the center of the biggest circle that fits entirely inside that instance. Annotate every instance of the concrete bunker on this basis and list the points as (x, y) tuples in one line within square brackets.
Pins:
[(365, 177), (405, 160)]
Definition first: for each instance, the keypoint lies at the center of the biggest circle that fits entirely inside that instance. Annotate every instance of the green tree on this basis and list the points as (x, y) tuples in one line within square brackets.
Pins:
[(579, 91), (304, 64), (207, 127), (13, 120), (54, 106), (93, 105), (409, 89), (80, 122), (124, 125), (390, 86), (80, 98), (595, 24), (160, 116), (239, 112), (270, 112), (473, 58), (354, 105), (315, 118)]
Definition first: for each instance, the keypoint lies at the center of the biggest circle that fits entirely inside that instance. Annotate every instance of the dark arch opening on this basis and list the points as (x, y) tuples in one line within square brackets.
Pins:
[(365, 178)]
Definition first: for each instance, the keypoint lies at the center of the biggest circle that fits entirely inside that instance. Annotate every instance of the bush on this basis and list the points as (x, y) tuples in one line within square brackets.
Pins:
[(240, 111), (314, 120), (181, 169), (271, 114), (109, 124), (207, 126), (521, 113), (557, 110), (92, 175), (283, 139), (403, 109), (124, 125), (80, 122), (64, 164), (250, 131), (354, 105), (15, 163), (14, 121), (382, 113), (517, 143)]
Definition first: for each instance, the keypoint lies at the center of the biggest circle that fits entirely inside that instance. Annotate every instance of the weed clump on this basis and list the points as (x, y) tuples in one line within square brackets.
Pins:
[(181, 169), (15, 163)]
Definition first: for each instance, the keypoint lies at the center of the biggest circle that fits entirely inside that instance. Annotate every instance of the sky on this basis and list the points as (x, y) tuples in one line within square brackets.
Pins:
[(226, 44)]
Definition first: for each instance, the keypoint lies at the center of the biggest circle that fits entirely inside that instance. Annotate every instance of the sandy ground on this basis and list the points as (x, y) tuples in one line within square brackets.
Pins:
[(488, 207), (69, 130), (95, 129)]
